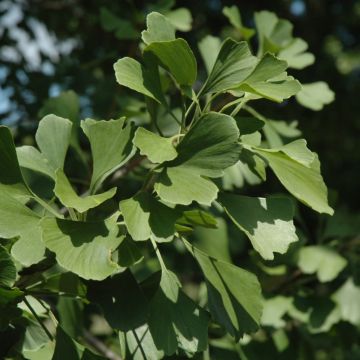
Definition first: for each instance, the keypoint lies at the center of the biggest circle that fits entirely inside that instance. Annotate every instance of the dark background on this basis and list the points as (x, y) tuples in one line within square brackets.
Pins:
[(48, 46)]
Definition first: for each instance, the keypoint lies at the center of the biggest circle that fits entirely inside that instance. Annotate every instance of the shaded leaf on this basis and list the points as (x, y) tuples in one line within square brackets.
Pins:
[(122, 301), (233, 64), (132, 74), (176, 57), (11, 178), (7, 269), (175, 320), (234, 294), (145, 216)]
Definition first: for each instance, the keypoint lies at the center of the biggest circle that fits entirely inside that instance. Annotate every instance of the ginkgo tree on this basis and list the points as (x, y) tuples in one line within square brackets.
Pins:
[(94, 246)]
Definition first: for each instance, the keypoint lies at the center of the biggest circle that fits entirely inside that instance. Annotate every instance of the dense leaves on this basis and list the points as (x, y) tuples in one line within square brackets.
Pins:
[(93, 222)]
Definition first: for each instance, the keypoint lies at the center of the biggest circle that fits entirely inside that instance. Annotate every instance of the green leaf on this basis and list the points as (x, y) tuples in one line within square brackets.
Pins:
[(234, 294), (158, 149), (145, 80), (111, 146), (233, 64), (176, 57), (35, 337), (53, 138), (7, 269), (11, 178), (180, 18), (71, 318), (209, 48), (145, 216), (209, 147), (268, 222), (274, 310), (234, 17), (141, 345), (159, 28), (301, 177), (322, 260), (29, 249), (183, 185), (31, 158), (83, 247), (175, 320), (347, 298), (214, 242), (129, 253), (269, 80), (67, 195), (315, 96), (15, 217), (273, 33), (198, 218), (295, 56)]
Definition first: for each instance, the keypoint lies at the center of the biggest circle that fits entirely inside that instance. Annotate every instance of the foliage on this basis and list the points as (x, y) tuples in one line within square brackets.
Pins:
[(120, 198)]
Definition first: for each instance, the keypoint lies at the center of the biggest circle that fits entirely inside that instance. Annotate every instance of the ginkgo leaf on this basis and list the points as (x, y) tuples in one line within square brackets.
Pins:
[(209, 48), (12, 213), (31, 158), (11, 178), (234, 17), (315, 95), (53, 139), (159, 28), (29, 249), (295, 54), (322, 260), (67, 195), (234, 294), (7, 269), (209, 147), (233, 64), (111, 146), (300, 177), (157, 148), (145, 216), (180, 18), (175, 320), (83, 248), (347, 297), (177, 57), (268, 222), (138, 77), (269, 80)]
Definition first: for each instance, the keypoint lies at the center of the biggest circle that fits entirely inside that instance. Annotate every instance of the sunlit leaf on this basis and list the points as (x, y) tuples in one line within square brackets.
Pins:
[(158, 149), (268, 222), (315, 95), (111, 146), (159, 28), (84, 248)]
